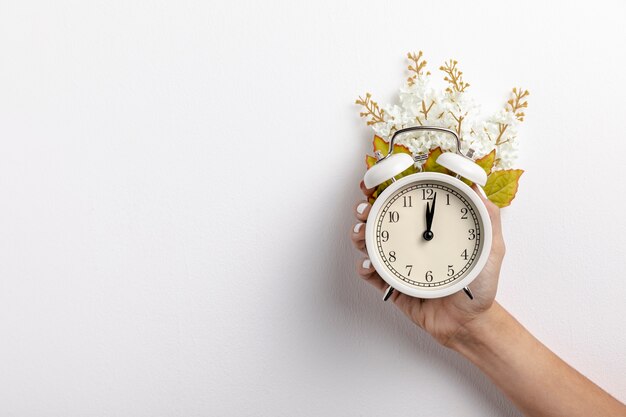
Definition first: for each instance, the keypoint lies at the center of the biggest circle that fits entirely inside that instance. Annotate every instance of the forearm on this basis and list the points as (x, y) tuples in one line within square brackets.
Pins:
[(537, 381)]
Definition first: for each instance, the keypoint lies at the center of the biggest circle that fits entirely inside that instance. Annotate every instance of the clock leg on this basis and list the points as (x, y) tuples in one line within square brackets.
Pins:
[(468, 292), (390, 290), (388, 293)]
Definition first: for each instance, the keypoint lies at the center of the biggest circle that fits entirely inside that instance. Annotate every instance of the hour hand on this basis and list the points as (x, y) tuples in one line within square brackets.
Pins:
[(430, 214)]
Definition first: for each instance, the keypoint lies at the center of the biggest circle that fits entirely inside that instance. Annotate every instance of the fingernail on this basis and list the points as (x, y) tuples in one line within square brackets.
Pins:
[(357, 227), (367, 264), (361, 208)]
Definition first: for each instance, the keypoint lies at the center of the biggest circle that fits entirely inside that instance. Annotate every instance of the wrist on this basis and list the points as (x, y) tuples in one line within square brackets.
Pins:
[(476, 332)]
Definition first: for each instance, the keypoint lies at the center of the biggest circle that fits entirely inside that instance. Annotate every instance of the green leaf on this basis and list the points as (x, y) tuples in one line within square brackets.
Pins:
[(502, 186)]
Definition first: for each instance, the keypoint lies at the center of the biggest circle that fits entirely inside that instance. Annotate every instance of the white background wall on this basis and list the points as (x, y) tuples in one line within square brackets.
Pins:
[(176, 184)]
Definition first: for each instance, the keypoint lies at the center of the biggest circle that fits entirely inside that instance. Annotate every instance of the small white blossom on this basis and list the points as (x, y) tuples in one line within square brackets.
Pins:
[(420, 104)]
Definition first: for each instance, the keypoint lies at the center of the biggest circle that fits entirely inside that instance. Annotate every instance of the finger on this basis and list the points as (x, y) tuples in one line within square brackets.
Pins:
[(367, 272), (358, 236), (496, 220), (492, 209), (366, 191), (361, 210)]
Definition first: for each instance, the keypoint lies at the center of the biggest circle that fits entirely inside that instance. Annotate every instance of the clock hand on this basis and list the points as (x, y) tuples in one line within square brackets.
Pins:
[(427, 234), (430, 214)]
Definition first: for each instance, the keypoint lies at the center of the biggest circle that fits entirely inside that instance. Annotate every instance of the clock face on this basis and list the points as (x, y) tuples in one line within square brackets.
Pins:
[(428, 234)]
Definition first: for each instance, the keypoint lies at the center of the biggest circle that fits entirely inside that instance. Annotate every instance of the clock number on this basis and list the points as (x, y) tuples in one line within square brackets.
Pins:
[(427, 193), (464, 254), (472, 234), (447, 199), (392, 256), (429, 276), (385, 235), (394, 216), (410, 268), (450, 270), (464, 213), (407, 201)]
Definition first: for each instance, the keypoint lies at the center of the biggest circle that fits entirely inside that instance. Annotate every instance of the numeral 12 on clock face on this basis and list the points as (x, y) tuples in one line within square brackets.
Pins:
[(428, 234)]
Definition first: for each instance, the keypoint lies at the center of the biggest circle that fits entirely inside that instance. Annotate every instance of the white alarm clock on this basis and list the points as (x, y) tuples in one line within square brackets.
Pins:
[(428, 234)]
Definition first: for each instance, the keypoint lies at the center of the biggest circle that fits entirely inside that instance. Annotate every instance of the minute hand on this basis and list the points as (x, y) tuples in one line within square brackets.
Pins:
[(430, 214)]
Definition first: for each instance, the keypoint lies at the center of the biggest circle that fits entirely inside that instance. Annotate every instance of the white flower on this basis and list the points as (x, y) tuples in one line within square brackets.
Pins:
[(419, 104), (507, 154), (504, 117)]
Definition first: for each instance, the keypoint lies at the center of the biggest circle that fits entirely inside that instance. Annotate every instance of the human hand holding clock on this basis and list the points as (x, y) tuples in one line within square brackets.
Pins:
[(538, 382), (441, 317)]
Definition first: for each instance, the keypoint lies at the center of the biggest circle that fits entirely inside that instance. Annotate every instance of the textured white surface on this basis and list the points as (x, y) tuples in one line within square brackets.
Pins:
[(161, 255)]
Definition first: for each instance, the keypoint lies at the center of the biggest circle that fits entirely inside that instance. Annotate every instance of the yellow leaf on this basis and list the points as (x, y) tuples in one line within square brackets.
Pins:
[(502, 185), (380, 145), (369, 161), (383, 146), (431, 164), (487, 161), (466, 181), (401, 149)]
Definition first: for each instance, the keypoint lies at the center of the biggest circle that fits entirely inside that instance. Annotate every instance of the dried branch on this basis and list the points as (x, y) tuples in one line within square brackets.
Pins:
[(459, 121), (501, 129), (514, 105), (417, 67), (518, 102), (454, 77), (372, 110), (425, 110)]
